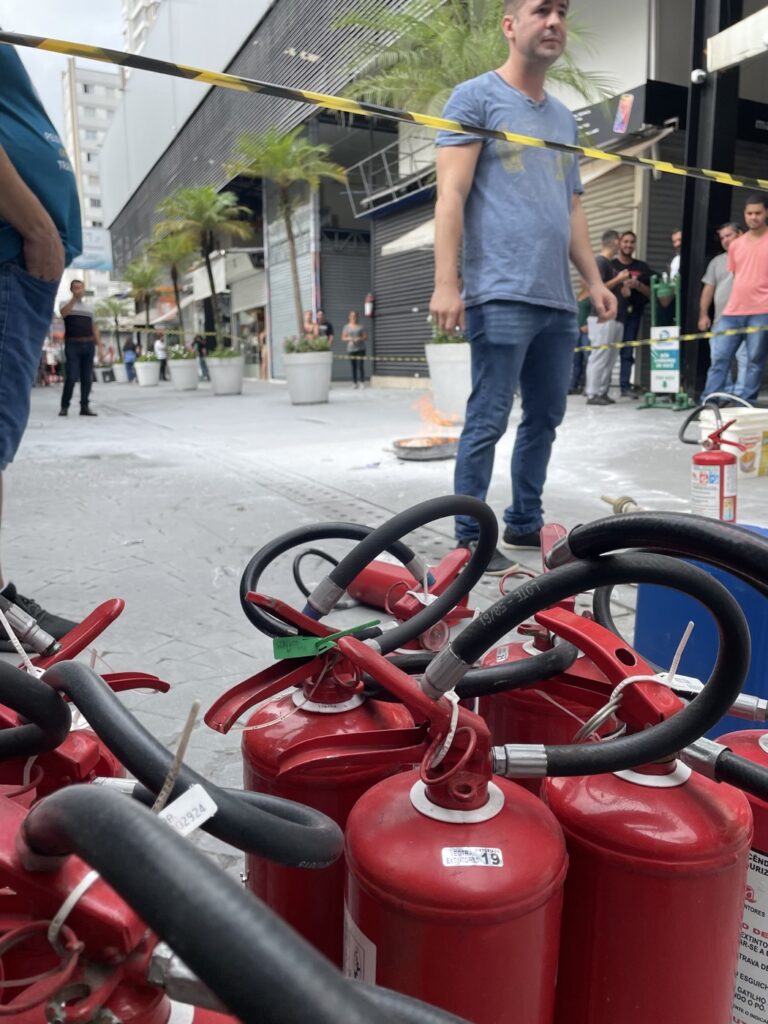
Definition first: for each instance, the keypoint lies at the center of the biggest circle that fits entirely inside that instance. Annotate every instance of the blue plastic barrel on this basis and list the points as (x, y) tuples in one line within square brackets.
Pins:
[(663, 614)]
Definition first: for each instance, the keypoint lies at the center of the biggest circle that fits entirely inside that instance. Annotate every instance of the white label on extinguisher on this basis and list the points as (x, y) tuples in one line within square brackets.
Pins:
[(705, 491), (730, 483), (359, 952), (189, 811), (472, 857), (750, 1002)]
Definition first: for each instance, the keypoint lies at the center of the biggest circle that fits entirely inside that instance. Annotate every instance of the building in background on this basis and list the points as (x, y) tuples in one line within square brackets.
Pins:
[(138, 18), (90, 97), (377, 237)]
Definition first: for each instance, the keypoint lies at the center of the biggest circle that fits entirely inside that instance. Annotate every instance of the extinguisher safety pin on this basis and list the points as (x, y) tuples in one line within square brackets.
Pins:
[(602, 715), (445, 746), (59, 918)]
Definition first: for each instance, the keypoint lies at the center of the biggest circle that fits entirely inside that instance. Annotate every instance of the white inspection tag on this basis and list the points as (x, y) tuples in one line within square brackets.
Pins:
[(189, 811), (472, 857)]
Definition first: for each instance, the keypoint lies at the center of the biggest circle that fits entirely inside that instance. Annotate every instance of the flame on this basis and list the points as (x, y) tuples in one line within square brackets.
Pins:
[(431, 416)]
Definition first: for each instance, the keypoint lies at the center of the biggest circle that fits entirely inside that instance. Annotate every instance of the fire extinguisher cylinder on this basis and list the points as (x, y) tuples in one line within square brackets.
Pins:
[(666, 738), (329, 590), (249, 581), (246, 823)]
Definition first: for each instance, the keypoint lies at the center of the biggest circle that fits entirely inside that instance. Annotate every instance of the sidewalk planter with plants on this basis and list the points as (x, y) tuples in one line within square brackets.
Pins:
[(450, 370), (147, 370), (184, 370), (308, 365), (120, 372), (226, 367)]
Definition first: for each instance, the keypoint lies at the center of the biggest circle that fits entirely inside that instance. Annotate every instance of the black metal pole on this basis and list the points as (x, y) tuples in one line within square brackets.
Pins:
[(710, 142)]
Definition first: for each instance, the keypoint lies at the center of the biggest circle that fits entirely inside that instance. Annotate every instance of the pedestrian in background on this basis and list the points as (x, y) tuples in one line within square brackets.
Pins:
[(520, 214), (581, 353), (324, 328), (81, 341), (604, 336), (354, 335), (161, 354), (747, 307), (632, 295), (202, 351), (718, 283), (129, 357), (309, 327)]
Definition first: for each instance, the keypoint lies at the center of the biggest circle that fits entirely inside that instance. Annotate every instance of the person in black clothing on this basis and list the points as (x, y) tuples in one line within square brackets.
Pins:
[(633, 293), (324, 327), (81, 339), (202, 352)]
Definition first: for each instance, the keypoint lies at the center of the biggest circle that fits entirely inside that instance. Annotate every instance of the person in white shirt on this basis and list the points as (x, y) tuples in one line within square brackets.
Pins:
[(161, 354)]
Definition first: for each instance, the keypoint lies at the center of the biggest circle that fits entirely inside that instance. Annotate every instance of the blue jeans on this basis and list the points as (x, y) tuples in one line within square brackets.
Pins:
[(80, 356), (723, 348), (130, 366), (26, 309), (631, 333), (514, 343)]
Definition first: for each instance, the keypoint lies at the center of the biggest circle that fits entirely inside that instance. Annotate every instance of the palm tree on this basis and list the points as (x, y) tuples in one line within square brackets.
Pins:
[(172, 253), (112, 308), (143, 277), (421, 52), (286, 160), (201, 214)]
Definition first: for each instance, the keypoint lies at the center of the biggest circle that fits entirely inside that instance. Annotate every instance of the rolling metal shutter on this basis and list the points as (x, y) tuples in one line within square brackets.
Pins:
[(403, 285), (345, 277)]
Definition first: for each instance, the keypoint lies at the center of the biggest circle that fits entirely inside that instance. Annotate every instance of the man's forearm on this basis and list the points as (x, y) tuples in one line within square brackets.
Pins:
[(449, 225), (19, 206), (707, 294)]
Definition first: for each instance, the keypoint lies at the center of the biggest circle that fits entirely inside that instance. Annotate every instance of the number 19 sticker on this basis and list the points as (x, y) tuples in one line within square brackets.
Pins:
[(472, 857)]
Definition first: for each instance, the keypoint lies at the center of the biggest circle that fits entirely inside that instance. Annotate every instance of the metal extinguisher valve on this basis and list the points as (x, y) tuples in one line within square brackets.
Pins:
[(26, 628)]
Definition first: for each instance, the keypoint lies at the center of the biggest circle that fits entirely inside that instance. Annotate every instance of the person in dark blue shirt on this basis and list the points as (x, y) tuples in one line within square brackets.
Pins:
[(40, 234)]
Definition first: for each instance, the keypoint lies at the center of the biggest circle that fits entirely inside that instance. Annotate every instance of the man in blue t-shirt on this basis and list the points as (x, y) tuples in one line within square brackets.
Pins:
[(39, 235), (520, 214)]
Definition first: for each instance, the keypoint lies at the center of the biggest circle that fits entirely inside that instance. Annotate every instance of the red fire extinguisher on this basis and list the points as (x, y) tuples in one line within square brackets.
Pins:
[(714, 478), (370, 305), (750, 1004), (454, 879), (321, 699)]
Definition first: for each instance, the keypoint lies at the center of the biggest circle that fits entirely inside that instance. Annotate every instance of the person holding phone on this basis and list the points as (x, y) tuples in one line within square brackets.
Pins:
[(633, 293)]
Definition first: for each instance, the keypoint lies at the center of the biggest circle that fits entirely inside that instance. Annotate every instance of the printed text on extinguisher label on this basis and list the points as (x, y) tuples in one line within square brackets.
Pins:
[(472, 857), (189, 811), (750, 1003), (359, 952)]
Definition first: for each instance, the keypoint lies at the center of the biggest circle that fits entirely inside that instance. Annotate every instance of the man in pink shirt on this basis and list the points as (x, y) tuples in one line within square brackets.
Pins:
[(746, 308)]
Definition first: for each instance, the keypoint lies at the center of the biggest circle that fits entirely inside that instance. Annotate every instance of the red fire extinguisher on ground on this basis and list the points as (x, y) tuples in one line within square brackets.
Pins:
[(319, 699), (714, 472)]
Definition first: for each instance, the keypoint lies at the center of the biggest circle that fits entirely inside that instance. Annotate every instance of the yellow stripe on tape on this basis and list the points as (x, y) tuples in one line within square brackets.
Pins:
[(225, 80)]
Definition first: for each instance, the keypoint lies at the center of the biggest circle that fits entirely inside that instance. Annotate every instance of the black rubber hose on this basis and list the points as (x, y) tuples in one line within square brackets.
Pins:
[(664, 739), (260, 969), (399, 526), (485, 682), (741, 552), (742, 773), (48, 718), (280, 830), (253, 572), (402, 1008)]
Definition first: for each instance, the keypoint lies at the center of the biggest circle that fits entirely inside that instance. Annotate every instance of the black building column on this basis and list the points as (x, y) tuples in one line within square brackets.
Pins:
[(710, 142)]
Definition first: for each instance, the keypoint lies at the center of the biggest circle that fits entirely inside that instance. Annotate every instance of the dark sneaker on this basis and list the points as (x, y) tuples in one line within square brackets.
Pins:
[(88, 412), (498, 565), (521, 541), (62, 412), (599, 400), (609, 400), (55, 625)]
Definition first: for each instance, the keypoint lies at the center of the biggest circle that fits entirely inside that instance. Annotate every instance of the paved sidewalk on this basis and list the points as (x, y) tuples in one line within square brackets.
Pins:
[(164, 497)]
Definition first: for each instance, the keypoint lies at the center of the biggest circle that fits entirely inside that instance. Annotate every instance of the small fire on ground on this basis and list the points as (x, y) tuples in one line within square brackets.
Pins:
[(431, 416)]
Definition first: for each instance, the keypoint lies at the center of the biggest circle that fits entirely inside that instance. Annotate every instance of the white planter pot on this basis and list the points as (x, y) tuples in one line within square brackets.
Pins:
[(184, 374), (450, 370), (120, 372), (308, 375), (147, 374), (226, 374)]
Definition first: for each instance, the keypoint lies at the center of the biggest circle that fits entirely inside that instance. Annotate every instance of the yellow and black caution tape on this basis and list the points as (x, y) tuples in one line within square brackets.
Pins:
[(339, 103), (639, 343)]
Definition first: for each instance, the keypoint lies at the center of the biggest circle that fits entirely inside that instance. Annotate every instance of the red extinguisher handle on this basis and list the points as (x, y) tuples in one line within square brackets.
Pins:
[(380, 747), (76, 641), (227, 708)]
